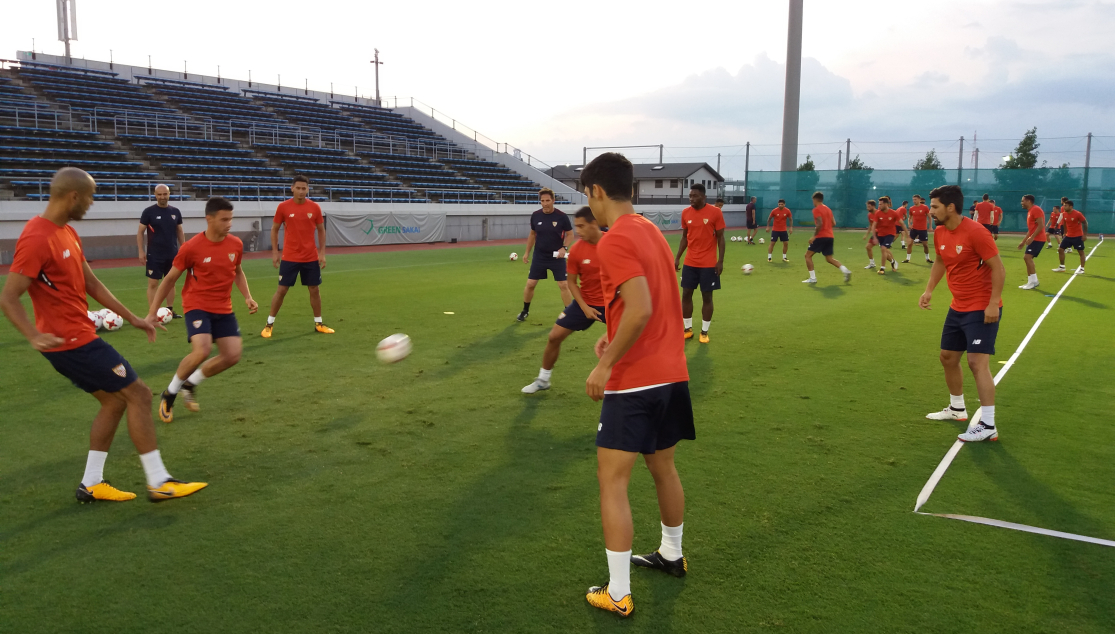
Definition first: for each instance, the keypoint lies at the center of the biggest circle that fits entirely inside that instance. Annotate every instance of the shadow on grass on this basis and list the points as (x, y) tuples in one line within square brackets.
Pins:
[(1086, 302), (503, 342), (828, 292)]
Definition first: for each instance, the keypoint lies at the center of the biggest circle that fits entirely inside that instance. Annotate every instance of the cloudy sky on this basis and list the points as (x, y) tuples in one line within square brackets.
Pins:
[(898, 78)]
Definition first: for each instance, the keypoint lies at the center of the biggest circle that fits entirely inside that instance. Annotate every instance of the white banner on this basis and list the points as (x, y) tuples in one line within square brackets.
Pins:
[(386, 228), (664, 220)]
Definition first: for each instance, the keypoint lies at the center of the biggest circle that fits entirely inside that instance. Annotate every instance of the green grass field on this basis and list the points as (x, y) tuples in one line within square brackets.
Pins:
[(349, 496)]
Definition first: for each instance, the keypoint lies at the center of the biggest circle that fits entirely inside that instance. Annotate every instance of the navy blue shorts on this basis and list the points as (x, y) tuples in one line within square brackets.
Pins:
[(573, 318), (538, 268), (919, 235), (158, 267), (704, 277), (992, 229), (885, 241), (1073, 243), (199, 322), (751, 224), (966, 332), (646, 421), (775, 236), (290, 271), (1035, 248), (94, 367), (822, 246)]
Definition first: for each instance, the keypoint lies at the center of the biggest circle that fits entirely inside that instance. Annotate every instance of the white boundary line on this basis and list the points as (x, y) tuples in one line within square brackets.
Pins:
[(939, 472)]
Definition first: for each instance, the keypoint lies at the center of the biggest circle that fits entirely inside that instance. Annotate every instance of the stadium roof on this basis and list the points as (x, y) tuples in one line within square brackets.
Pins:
[(643, 171)]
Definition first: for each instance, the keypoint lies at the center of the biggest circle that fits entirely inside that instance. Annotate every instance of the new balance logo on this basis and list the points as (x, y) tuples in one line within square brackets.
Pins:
[(206, 260), (291, 215), (586, 262), (977, 342), (65, 254)]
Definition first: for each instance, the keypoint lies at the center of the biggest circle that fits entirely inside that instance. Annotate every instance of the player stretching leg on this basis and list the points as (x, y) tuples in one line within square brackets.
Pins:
[(822, 240), (870, 235), (783, 228), (548, 244), (1034, 241), (919, 229), (587, 306), (967, 253), (641, 377), (213, 261), (50, 265), (884, 229), (702, 235), (1076, 232), (300, 256)]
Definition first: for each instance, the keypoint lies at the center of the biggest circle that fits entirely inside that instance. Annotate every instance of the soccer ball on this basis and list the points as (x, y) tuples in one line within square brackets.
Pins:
[(97, 319), (514, 256), (394, 348), (762, 241), (747, 268), (165, 315), (735, 239), (112, 321)]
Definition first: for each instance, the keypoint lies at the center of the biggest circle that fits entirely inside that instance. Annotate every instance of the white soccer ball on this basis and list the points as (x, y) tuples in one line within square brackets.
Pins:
[(112, 321), (165, 315), (95, 317), (514, 256), (394, 348), (762, 241), (747, 268)]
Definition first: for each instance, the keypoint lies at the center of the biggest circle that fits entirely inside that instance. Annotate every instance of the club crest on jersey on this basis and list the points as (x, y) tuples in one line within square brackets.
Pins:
[(959, 248), (309, 214), (206, 260), (197, 323), (555, 223), (120, 371), (706, 221), (231, 257)]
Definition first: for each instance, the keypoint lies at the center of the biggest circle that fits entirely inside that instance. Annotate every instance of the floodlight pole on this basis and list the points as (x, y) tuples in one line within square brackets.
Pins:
[(67, 24), (377, 64), (1087, 165), (746, 167), (791, 105), (960, 164), (848, 153)]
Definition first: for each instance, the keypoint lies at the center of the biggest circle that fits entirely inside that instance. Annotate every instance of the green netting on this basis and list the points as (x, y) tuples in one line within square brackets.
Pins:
[(846, 191)]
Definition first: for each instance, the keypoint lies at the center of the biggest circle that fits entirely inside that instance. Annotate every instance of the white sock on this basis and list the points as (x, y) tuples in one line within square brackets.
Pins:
[(871, 261), (688, 321), (987, 415), (813, 275), (175, 384), (671, 542), (153, 467), (317, 319), (619, 574), (544, 374), (94, 468), (844, 269), (1033, 278), (956, 401), (270, 319), (705, 325), (197, 377)]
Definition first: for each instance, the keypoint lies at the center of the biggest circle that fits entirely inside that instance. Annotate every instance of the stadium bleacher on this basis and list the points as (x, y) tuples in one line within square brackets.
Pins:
[(207, 101), (84, 89)]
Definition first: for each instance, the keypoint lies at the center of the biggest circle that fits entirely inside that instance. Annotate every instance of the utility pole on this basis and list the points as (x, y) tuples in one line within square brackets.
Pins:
[(377, 64), (839, 159), (960, 164), (67, 24), (717, 162), (791, 105), (848, 154), (1087, 165), (746, 168)]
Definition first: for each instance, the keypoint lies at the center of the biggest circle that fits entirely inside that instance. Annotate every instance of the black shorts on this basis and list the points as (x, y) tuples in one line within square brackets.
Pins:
[(646, 421), (990, 228), (199, 322), (538, 268), (822, 246), (96, 366), (751, 224), (704, 277), (573, 318), (775, 236), (919, 235), (885, 241), (966, 332), (1035, 248), (1073, 243), (158, 267), (290, 271)]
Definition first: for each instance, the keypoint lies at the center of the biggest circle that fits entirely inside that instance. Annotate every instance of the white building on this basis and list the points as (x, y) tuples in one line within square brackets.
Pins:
[(665, 183)]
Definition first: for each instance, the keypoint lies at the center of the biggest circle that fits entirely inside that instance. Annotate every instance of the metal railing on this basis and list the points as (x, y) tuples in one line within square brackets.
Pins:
[(42, 116)]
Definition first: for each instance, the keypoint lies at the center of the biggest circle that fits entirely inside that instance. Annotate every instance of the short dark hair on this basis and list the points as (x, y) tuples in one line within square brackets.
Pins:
[(871, 202), (886, 198), (719, 200), (986, 196), (905, 202), (585, 213), (818, 196), (1029, 197), (546, 191), (217, 204), (949, 195), (782, 200), (1064, 198), (613, 173), (300, 178), (698, 186), (1070, 203)]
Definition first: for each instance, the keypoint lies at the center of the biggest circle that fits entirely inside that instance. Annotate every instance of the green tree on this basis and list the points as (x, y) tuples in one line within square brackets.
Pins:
[(807, 179), (930, 162), (928, 174), (853, 188), (1016, 175), (1025, 155), (808, 165)]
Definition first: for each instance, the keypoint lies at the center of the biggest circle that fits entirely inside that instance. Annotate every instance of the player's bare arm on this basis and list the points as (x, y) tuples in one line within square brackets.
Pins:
[(575, 289), (637, 309), (817, 231), (723, 251), (530, 246), (321, 242), (998, 279), (567, 241), (98, 291), (1084, 224), (242, 284), (682, 246), (181, 237), (161, 293), (790, 224), (1028, 239), (276, 256), (870, 232), (139, 243), (14, 288), (936, 274), (770, 219)]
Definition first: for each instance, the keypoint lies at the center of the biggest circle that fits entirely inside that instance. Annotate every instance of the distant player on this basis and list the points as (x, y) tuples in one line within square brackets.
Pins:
[(50, 265), (702, 239), (902, 211), (719, 204), (885, 228), (985, 212), (162, 224), (996, 219), (822, 240), (1076, 233), (212, 261), (976, 275), (780, 226), (752, 225), (1055, 229), (1034, 241), (919, 229), (642, 378), (551, 233), (587, 306), (300, 256), (872, 241)]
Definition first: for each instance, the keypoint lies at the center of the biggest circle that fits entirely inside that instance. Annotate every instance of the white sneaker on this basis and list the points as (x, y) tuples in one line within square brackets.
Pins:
[(811, 280), (948, 414), (870, 266), (894, 265), (1059, 269), (979, 433), (537, 386), (1080, 271), (1028, 285), (785, 259), (847, 277)]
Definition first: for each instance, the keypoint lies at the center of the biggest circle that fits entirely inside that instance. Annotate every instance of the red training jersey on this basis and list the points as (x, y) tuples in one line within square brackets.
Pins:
[(700, 234), (634, 247), (885, 222), (1072, 221), (997, 217), (584, 263), (52, 257), (1035, 223), (823, 217), (781, 217), (919, 217), (1055, 218), (901, 213), (210, 271), (984, 209), (301, 223), (963, 252)]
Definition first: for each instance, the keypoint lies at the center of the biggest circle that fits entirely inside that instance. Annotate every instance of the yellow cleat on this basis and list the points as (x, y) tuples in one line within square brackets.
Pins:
[(166, 407), (688, 333), (598, 597), (102, 492), (882, 271), (189, 396), (703, 338), (266, 334), (174, 489), (320, 327)]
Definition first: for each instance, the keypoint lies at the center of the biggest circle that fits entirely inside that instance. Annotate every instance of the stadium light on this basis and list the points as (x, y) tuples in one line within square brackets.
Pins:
[(67, 23), (791, 103)]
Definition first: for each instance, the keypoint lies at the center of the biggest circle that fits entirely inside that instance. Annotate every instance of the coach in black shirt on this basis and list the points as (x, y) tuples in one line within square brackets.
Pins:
[(163, 226), (551, 233)]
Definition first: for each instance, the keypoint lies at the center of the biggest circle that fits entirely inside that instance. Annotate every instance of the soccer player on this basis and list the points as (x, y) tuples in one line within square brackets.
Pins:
[(550, 236), (1076, 233), (783, 228), (822, 240), (984, 212), (1055, 228), (587, 306), (212, 258), (752, 226), (996, 218), (886, 219), (871, 239), (49, 265), (702, 237), (1034, 241), (300, 256), (719, 204), (902, 211), (163, 226), (919, 229), (641, 377), (976, 275)]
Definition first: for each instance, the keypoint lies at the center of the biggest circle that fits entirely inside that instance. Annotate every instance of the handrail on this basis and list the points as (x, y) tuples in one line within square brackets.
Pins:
[(38, 110)]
